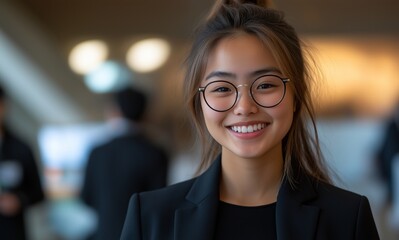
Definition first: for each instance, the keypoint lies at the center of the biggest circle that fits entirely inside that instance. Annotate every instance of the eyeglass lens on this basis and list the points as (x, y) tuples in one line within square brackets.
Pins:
[(267, 91)]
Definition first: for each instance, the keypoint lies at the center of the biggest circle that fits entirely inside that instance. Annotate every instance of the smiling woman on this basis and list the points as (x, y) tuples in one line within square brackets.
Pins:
[(243, 60), (247, 86)]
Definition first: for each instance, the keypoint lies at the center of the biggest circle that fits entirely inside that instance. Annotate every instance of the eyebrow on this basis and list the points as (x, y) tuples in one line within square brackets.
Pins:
[(220, 74), (253, 74), (266, 71)]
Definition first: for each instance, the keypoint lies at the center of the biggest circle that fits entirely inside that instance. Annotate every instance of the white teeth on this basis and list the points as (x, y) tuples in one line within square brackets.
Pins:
[(249, 128)]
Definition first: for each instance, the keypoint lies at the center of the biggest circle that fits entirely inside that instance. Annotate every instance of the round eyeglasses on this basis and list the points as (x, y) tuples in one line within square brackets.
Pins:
[(267, 91)]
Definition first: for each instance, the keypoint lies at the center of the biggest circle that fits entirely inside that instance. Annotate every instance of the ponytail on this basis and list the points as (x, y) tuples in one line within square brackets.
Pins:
[(219, 3)]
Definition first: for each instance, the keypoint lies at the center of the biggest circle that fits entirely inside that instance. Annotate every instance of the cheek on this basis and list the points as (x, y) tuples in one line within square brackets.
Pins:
[(285, 111), (211, 117), (288, 101)]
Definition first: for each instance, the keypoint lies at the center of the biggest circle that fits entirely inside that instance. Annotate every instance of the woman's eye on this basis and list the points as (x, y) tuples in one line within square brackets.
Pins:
[(265, 86), (221, 89)]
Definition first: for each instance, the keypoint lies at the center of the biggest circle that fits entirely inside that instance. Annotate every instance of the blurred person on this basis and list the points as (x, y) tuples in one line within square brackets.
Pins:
[(389, 148), (388, 165), (126, 164), (20, 183), (248, 90)]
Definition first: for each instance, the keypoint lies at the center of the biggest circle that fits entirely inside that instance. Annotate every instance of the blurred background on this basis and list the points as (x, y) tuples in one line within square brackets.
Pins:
[(59, 60)]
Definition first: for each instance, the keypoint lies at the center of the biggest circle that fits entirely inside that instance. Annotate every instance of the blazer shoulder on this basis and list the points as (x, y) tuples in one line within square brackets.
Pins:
[(339, 200), (167, 197), (151, 214), (348, 208), (335, 192)]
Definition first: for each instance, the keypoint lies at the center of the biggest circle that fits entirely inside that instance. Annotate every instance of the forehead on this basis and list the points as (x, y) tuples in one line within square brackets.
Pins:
[(240, 55)]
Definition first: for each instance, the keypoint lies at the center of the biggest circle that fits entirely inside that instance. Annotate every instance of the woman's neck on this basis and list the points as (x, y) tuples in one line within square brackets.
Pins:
[(250, 182)]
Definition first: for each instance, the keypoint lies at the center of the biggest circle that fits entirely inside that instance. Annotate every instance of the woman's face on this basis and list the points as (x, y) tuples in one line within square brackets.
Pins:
[(247, 130)]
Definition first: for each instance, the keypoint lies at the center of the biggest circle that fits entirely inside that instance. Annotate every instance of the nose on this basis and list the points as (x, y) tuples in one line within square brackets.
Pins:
[(245, 105)]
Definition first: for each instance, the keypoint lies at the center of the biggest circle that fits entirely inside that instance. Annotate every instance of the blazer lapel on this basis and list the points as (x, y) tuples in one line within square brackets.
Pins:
[(295, 219), (197, 221)]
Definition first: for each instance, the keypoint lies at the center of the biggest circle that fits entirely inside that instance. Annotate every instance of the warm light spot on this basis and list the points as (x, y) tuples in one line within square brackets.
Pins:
[(88, 55), (148, 55), (360, 76)]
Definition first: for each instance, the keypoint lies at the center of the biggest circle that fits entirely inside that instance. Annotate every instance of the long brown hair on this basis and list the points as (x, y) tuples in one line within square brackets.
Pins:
[(227, 18)]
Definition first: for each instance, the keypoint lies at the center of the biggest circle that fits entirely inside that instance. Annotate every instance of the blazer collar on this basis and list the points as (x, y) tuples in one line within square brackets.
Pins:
[(294, 218), (197, 222)]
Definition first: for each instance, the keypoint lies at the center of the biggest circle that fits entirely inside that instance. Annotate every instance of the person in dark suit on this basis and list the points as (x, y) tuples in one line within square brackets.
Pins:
[(388, 150), (128, 163), (248, 90), (20, 184), (387, 162)]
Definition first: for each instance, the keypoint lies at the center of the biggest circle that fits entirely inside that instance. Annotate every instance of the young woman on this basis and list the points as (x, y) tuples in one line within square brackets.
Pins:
[(247, 85)]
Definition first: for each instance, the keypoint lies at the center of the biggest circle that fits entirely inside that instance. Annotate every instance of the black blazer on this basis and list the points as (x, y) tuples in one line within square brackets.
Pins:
[(28, 189), (115, 170), (188, 210)]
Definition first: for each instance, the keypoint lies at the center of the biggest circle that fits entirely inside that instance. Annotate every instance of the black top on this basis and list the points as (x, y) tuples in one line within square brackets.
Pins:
[(252, 223)]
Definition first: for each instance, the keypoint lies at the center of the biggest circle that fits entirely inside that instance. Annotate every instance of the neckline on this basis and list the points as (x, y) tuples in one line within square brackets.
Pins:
[(252, 207)]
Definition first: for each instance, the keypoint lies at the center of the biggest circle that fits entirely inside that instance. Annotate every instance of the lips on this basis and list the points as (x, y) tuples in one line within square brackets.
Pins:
[(248, 128)]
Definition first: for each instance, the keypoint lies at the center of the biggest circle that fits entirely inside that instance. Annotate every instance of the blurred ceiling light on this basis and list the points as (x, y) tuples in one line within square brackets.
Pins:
[(148, 55), (108, 77), (87, 55), (359, 72)]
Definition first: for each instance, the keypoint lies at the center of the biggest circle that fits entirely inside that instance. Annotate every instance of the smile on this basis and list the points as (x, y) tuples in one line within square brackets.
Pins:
[(249, 128)]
